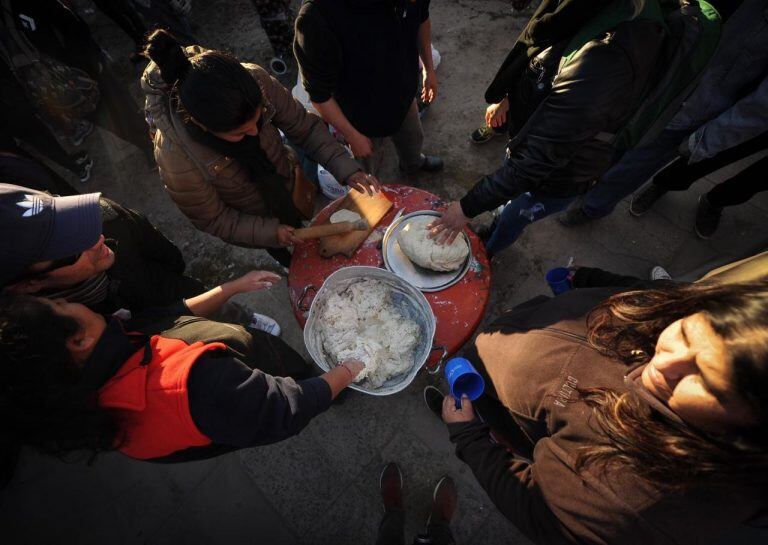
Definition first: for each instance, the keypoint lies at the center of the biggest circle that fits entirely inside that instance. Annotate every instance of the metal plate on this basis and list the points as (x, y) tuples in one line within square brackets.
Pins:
[(424, 279)]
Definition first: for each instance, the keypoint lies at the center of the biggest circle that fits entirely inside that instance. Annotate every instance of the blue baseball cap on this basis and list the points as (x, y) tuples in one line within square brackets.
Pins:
[(35, 226)]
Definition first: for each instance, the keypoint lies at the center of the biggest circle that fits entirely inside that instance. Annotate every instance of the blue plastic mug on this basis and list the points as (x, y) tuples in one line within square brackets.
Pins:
[(558, 280), (463, 379)]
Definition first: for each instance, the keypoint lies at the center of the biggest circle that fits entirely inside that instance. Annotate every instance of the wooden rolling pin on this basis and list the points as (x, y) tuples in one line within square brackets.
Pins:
[(328, 229)]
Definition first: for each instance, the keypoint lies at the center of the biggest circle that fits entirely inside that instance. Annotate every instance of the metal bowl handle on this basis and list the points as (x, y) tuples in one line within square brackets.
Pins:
[(434, 369), (304, 293)]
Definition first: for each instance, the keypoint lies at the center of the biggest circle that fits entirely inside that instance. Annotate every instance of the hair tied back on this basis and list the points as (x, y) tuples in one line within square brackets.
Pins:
[(165, 51)]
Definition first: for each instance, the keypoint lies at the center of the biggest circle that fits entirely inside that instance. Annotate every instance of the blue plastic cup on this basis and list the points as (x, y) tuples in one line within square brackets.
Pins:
[(558, 280), (463, 379)]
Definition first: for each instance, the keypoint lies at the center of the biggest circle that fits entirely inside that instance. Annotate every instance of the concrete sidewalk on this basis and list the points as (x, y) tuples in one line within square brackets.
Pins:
[(321, 488)]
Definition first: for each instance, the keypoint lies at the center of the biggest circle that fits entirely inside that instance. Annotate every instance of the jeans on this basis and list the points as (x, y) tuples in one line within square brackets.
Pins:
[(634, 168), (408, 141), (307, 164), (276, 19), (518, 214)]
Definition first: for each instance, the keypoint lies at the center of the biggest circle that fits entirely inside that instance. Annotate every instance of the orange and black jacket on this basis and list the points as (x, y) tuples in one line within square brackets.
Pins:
[(185, 387)]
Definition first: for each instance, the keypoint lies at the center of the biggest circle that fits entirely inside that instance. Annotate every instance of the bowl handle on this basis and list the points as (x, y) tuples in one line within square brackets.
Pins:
[(300, 303), (434, 369)]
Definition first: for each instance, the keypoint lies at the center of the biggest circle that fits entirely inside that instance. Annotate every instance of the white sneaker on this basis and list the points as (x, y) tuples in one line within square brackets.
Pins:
[(265, 324), (659, 273)]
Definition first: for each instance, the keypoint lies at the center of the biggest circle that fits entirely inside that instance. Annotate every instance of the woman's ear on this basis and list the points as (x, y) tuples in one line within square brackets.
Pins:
[(80, 344)]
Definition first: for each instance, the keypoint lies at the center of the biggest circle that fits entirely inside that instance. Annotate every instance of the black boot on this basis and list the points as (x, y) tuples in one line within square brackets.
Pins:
[(642, 202), (707, 218)]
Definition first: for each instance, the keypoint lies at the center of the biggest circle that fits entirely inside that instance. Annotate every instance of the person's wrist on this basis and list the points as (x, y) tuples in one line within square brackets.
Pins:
[(350, 374), (352, 176), (230, 288)]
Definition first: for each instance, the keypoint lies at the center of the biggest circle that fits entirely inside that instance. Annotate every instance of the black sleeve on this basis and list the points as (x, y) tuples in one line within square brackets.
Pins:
[(424, 15), (318, 54), (592, 277), (149, 268), (153, 244), (582, 102), (508, 481), (239, 406)]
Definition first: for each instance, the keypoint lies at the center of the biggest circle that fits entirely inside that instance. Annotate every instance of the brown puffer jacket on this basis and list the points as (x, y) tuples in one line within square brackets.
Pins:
[(213, 190)]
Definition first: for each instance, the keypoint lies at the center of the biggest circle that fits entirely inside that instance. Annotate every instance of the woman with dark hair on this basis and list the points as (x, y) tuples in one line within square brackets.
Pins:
[(165, 385), (216, 127), (645, 422)]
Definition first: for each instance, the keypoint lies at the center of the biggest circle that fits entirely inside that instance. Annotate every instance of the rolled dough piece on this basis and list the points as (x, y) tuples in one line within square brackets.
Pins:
[(427, 253), (344, 215)]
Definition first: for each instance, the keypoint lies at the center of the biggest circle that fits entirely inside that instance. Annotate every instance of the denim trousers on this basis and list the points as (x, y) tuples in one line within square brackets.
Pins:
[(634, 168)]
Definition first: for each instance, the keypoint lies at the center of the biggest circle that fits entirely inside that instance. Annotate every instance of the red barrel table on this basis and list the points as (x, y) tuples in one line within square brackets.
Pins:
[(458, 309)]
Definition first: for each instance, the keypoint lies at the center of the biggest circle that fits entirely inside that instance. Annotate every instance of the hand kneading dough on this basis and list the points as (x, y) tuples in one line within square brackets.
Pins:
[(362, 322), (427, 253), (344, 215)]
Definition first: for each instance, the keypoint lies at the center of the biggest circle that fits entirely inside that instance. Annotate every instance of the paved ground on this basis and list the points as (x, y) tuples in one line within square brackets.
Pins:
[(321, 487)]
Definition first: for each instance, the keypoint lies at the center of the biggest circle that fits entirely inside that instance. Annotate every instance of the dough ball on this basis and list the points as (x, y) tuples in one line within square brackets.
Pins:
[(345, 215), (427, 253)]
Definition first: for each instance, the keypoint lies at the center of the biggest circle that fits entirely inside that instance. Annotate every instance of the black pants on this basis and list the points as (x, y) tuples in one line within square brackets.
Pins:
[(276, 19), (391, 531), (118, 113), (125, 16), (18, 120), (679, 176)]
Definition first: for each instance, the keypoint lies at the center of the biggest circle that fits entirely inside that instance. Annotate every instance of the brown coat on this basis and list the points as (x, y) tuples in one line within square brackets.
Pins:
[(213, 190), (534, 360)]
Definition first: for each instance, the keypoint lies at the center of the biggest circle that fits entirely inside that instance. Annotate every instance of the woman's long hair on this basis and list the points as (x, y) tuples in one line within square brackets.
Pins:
[(669, 454), (213, 88), (41, 402)]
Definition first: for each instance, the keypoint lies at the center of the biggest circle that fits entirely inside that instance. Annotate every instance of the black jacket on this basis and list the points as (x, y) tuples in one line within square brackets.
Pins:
[(363, 53), (560, 150)]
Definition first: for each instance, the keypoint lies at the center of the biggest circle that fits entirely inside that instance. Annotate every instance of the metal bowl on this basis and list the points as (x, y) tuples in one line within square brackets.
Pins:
[(409, 301), (399, 263)]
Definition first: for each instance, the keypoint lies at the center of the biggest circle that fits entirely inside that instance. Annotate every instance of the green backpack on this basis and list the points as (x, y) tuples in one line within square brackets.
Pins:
[(693, 32)]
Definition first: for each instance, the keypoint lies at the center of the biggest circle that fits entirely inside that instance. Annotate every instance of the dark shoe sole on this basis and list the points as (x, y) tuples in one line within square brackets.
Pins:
[(426, 402), (381, 481), (434, 514), (696, 223), (636, 214)]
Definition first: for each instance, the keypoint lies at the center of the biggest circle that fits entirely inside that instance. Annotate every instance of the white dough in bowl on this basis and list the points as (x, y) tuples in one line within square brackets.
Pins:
[(362, 322), (427, 253), (344, 215)]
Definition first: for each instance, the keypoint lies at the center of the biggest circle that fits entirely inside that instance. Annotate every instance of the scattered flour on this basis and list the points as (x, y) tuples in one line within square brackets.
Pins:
[(344, 215), (427, 253), (362, 322)]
